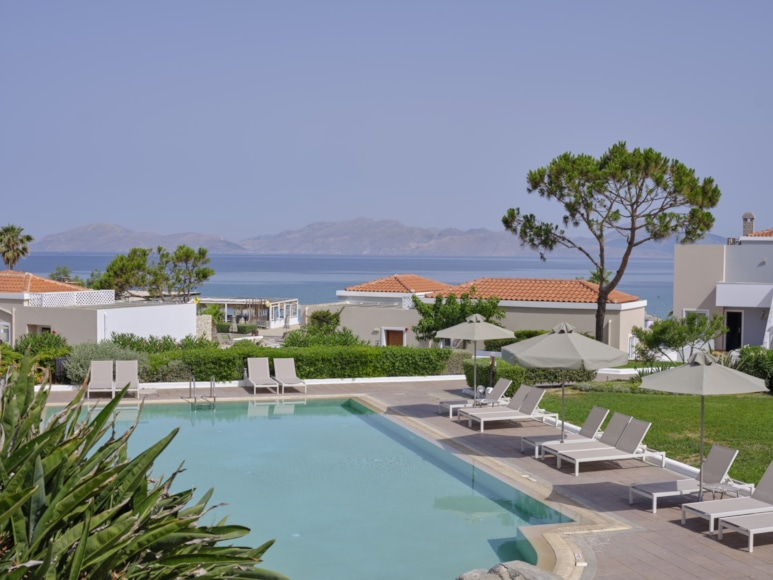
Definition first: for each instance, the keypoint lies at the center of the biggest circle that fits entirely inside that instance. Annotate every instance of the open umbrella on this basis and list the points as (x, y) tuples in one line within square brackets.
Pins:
[(474, 328), (563, 348), (703, 375)]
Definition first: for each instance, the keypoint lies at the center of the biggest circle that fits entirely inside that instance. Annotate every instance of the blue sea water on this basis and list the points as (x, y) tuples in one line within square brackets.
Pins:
[(314, 279)]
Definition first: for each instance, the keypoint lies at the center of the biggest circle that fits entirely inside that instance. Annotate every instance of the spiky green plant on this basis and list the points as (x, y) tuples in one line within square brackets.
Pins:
[(74, 505)]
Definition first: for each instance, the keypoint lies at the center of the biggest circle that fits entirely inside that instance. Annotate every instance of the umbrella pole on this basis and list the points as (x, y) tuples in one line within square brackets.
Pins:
[(700, 493), (563, 383), (474, 370)]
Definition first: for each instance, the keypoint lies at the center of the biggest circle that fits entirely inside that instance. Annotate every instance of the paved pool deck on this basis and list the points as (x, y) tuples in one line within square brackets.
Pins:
[(610, 538)]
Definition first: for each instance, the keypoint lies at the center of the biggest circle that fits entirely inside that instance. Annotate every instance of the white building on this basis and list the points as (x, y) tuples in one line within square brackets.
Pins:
[(32, 304), (734, 280), (382, 312)]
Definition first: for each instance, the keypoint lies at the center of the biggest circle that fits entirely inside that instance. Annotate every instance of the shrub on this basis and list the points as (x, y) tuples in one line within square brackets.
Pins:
[(203, 364), (758, 362), (496, 345), (455, 364), (173, 371), (502, 369), (225, 328), (309, 336), (8, 356), (75, 505), (37, 343), (78, 362), (160, 344), (45, 348)]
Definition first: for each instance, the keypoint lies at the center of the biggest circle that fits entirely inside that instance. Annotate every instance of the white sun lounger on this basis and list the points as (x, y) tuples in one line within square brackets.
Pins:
[(528, 411), (608, 439), (587, 432), (761, 500), (100, 378), (258, 375), (627, 447), (513, 404), (715, 470), (749, 525), (284, 374), (126, 373), (495, 397)]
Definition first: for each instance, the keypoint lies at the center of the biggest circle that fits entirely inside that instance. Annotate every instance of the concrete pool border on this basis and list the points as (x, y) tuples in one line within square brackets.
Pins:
[(555, 545), (557, 552)]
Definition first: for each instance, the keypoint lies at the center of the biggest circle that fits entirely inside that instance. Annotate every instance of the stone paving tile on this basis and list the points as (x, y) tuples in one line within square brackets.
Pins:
[(641, 545)]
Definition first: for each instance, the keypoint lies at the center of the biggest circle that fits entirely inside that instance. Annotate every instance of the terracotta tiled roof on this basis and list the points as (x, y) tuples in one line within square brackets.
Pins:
[(537, 290), (762, 234), (13, 282), (401, 283)]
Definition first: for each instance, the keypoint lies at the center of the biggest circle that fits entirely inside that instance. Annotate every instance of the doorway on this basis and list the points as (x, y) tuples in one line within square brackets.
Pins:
[(734, 323), (394, 338)]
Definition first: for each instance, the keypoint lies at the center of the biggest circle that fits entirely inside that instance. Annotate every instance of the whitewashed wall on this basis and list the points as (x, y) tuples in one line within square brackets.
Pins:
[(155, 319)]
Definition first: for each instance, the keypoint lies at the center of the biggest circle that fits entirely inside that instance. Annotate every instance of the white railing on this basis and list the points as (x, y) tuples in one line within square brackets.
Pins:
[(76, 298)]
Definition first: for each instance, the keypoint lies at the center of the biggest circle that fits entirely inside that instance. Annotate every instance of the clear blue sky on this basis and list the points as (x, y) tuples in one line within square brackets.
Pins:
[(251, 117)]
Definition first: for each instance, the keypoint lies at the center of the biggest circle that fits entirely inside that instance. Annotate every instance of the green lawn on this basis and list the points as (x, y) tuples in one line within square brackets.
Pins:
[(743, 422)]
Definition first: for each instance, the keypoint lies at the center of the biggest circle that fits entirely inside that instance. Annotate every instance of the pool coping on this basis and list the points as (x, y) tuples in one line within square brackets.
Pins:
[(557, 551)]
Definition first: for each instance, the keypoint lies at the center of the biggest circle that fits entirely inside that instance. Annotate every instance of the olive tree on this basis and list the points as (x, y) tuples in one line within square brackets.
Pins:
[(637, 195)]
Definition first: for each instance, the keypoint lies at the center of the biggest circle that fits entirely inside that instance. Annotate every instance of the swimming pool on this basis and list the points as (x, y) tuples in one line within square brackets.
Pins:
[(345, 492)]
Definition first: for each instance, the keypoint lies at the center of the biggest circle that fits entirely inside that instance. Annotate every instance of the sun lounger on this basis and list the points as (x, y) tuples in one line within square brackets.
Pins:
[(258, 375), (627, 447), (284, 374), (587, 432), (527, 411), (493, 398), (761, 500), (126, 373), (715, 470), (608, 439), (100, 378), (513, 404), (750, 525)]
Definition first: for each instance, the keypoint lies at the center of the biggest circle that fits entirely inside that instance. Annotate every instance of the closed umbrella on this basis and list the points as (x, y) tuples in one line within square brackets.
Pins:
[(474, 328), (703, 375), (563, 348)]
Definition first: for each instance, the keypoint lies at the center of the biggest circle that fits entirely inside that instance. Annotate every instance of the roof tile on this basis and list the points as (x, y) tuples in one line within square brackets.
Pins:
[(14, 282), (762, 234), (402, 284), (537, 290)]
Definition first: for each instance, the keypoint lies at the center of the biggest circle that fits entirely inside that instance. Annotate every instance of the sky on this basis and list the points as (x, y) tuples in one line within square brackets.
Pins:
[(247, 117)]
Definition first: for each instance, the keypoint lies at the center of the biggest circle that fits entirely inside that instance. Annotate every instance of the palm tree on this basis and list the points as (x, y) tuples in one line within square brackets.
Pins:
[(13, 244)]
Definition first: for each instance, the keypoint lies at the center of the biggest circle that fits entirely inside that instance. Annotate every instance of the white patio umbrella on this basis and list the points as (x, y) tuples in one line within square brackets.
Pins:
[(563, 348), (474, 328), (703, 375)]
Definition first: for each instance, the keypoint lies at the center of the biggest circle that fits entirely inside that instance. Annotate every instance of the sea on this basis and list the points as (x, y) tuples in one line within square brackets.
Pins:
[(314, 279)]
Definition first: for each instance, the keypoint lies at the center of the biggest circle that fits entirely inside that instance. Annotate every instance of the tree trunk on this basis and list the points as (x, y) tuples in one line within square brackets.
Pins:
[(601, 313)]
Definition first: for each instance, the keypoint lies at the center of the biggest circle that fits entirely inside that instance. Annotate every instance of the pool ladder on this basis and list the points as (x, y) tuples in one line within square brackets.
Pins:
[(196, 400)]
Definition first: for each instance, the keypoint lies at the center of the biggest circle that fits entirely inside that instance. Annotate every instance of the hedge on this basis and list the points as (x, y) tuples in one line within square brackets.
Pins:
[(315, 362), (520, 375), (225, 328)]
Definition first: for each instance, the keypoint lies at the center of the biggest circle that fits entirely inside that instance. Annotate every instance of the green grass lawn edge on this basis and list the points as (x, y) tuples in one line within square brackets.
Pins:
[(743, 422)]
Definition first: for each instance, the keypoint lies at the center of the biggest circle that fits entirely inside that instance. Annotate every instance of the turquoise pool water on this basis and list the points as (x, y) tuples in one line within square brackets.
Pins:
[(346, 493)]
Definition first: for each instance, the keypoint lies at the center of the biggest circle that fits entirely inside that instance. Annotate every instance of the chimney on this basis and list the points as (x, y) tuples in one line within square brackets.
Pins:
[(748, 224)]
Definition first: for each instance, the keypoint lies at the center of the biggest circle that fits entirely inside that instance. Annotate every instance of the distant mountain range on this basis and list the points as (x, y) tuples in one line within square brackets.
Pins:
[(360, 236)]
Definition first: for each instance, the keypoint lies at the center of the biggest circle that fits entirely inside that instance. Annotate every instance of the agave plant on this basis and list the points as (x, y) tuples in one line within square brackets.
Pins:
[(74, 505)]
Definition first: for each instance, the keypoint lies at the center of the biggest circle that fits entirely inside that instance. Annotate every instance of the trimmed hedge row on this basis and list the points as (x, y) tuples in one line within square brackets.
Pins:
[(314, 362), (225, 328)]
